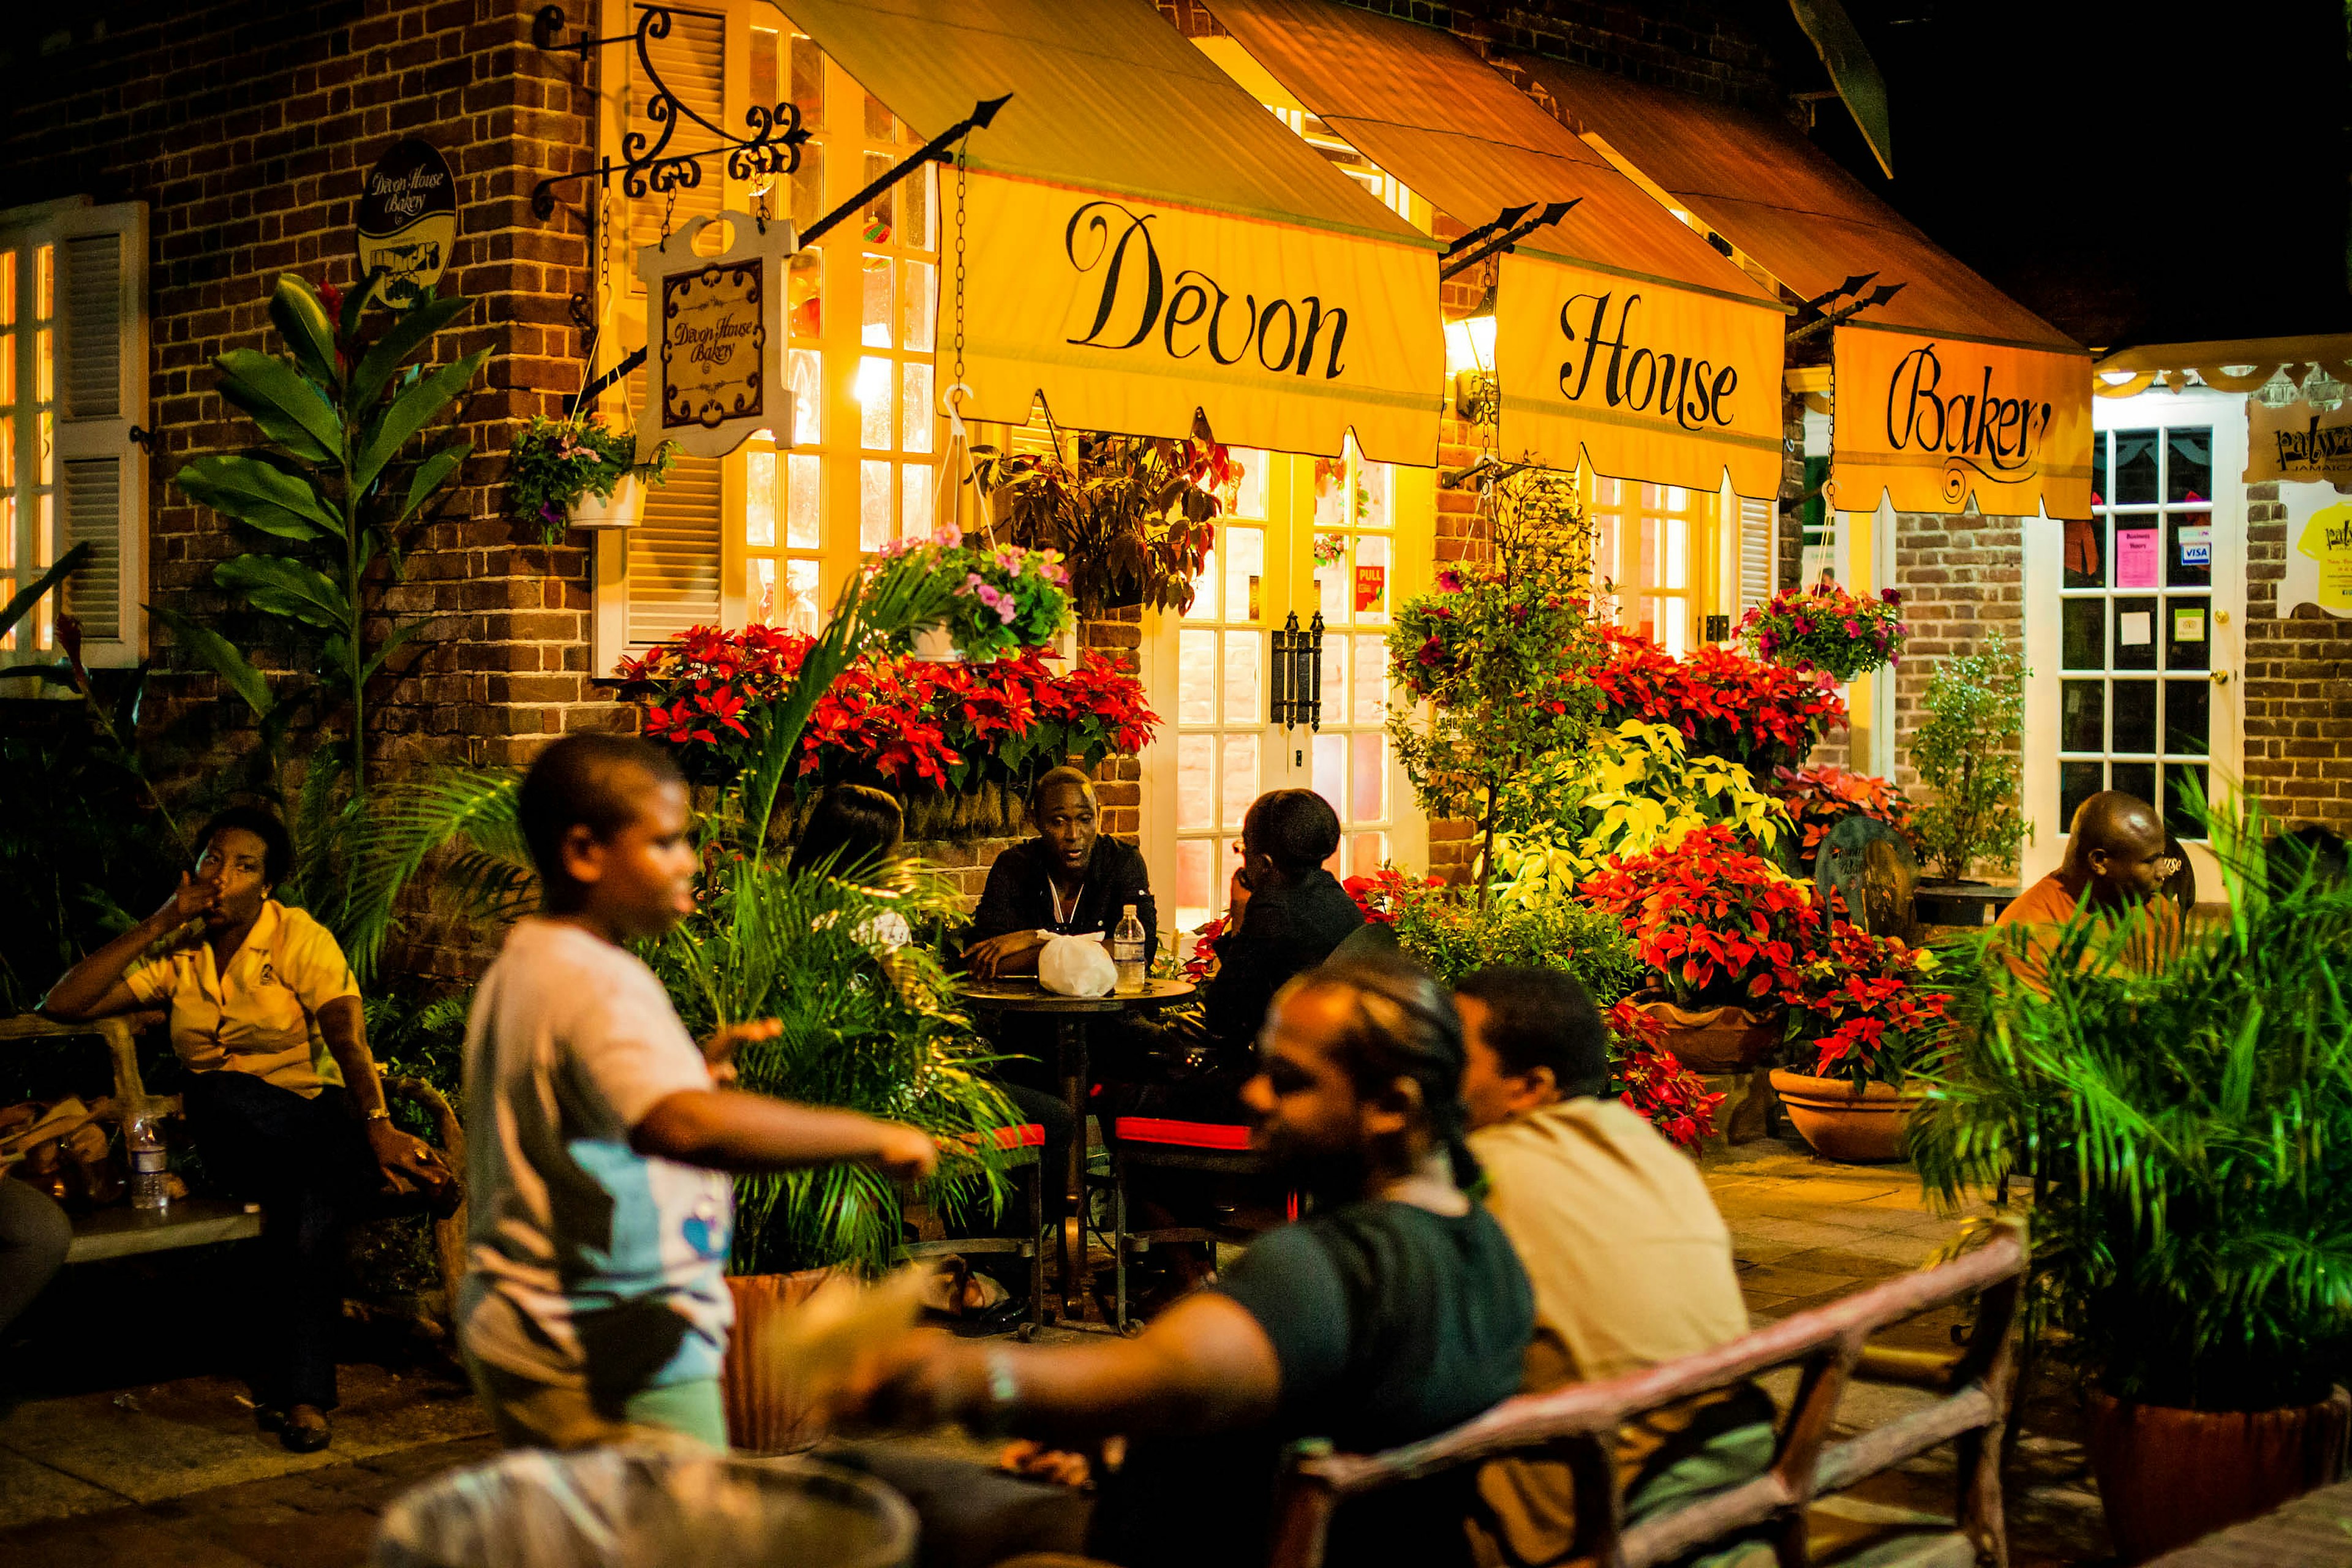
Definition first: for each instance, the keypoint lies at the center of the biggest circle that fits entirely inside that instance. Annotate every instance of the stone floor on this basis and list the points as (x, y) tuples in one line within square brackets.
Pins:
[(173, 1473)]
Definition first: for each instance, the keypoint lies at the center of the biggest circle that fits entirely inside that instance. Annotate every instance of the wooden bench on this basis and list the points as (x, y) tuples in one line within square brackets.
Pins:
[(121, 1231), (1577, 1425)]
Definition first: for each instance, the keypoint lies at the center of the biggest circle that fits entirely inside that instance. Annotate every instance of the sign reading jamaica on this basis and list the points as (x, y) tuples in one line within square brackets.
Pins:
[(407, 220), (715, 337)]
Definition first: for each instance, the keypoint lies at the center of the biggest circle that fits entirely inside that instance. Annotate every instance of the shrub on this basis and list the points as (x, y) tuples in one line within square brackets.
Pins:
[(1967, 752)]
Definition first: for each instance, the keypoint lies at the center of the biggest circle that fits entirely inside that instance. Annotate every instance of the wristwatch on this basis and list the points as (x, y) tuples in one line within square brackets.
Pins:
[(381, 1113)]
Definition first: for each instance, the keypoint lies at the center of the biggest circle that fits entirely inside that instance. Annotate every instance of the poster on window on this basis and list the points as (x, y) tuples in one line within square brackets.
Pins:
[(2298, 443), (2318, 550), (715, 338)]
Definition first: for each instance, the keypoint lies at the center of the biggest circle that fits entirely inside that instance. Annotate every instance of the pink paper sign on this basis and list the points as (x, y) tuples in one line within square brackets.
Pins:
[(2135, 558)]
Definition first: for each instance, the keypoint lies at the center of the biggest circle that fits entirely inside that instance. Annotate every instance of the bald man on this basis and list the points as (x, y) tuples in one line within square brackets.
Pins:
[(2115, 864)]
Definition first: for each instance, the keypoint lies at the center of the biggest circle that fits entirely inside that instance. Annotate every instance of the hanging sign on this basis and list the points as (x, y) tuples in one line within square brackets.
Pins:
[(714, 338), (2298, 442), (1651, 382), (2318, 550), (407, 222), (1931, 422)]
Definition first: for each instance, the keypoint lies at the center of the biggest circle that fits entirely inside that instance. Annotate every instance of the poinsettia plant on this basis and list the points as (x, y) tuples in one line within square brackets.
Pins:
[(907, 724), (1861, 1008), (1717, 924), (1826, 628), (1651, 1081), (1725, 704), (1818, 799)]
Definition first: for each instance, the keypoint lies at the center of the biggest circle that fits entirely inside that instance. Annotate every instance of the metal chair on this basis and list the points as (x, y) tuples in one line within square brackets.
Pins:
[(1152, 1141)]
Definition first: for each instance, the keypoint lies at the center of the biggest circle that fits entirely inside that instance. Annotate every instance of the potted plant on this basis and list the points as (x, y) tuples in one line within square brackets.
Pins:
[(1005, 598), (1966, 749), (573, 473), (1860, 1017), (2190, 1125), (1818, 799), (1131, 516), (1826, 628), (1726, 704), (1722, 931)]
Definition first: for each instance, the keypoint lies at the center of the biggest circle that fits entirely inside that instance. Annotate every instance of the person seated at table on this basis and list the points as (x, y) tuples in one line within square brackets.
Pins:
[(2115, 868), (1630, 1262), (282, 1095), (1285, 913), (1071, 879), (854, 832), (1394, 1311)]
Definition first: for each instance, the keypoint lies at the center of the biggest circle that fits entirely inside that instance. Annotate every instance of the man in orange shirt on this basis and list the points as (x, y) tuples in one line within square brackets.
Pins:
[(2115, 865)]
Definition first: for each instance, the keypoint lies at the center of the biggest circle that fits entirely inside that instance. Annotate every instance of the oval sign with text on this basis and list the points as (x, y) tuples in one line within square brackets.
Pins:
[(407, 221)]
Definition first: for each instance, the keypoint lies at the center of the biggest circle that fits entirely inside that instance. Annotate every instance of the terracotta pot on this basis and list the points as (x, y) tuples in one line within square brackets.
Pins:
[(623, 510), (2168, 1476), (765, 1415), (1854, 1129), (1719, 1039)]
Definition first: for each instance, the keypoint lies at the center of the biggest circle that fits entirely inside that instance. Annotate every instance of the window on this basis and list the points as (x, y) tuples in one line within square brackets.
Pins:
[(769, 533), (1355, 574), (1653, 543), (2136, 624), (73, 382), (1221, 714)]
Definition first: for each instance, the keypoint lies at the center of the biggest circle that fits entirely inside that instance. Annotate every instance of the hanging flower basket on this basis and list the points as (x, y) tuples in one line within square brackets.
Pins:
[(575, 473), (623, 508)]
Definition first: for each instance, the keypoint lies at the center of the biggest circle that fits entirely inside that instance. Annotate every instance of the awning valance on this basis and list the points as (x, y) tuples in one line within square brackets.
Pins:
[(1143, 240), (1421, 105), (1783, 202)]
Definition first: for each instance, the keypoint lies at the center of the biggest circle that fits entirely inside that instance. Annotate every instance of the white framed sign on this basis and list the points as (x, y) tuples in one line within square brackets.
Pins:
[(715, 338)]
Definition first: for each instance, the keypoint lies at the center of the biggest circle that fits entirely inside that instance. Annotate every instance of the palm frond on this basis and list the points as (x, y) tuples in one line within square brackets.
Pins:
[(491, 877)]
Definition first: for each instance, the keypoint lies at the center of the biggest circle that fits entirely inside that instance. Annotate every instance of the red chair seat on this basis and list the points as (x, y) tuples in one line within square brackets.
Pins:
[(1028, 1135), (1183, 1134)]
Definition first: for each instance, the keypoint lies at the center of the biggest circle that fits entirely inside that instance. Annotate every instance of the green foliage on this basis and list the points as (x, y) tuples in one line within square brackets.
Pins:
[(1132, 515), (1638, 789), (552, 463), (1967, 751), (337, 412), (1453, 938), (1500, 658), (2189, 1121), (861, 1031)]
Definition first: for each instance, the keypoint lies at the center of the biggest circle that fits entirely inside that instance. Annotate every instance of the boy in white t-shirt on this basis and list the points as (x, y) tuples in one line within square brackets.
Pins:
[(596, 1300)]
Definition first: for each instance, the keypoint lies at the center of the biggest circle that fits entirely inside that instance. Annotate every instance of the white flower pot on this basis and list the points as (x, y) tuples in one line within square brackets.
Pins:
[(628, 505), (935, 644)]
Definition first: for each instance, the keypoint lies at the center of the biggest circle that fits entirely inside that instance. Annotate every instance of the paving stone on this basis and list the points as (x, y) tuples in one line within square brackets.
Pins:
[(1800, 1233), (1853, 1267), (31, 1491)]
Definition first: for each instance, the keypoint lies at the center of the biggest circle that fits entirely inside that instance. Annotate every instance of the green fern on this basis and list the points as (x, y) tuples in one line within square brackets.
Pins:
[(485, 874), (2189, 1129)]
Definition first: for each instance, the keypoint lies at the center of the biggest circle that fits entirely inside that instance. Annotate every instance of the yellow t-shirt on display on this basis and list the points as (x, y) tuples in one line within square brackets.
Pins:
[(260, 1014)]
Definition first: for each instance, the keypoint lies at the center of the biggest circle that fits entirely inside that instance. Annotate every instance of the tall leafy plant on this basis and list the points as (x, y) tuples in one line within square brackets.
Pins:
[(1967, 751), (1133, 516), (2189, 1123), (329, 486)]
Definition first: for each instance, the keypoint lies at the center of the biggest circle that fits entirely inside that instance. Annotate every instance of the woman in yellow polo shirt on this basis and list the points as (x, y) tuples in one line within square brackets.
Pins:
[(282, 1095)]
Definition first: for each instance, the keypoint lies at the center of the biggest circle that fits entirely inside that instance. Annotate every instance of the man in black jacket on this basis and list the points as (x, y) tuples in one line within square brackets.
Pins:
[(1072, 879)]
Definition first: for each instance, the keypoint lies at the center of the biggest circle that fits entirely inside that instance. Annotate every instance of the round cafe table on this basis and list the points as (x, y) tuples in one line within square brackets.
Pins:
[(1023, 993)]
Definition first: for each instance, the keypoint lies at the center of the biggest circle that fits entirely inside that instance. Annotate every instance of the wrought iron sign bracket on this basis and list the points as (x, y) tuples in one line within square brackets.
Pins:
[(1295, 677), (1821, 313), (1514, 227)]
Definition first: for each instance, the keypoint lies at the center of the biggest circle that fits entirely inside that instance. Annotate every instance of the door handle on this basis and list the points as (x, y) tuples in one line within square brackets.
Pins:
[(2220, 678)]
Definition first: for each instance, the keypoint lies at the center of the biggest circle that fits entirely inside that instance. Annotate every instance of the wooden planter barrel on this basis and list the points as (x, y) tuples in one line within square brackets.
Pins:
[(2167, 1476), (765, 1413)]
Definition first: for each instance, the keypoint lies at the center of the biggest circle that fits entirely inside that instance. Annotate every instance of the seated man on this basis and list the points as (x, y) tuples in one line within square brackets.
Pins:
[(282, 1094), (1394, 1312), (1072, 879), (2115, 867), (1630, 1262)]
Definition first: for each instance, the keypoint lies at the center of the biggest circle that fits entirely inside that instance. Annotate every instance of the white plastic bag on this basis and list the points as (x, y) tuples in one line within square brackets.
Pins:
[(1076, 967)]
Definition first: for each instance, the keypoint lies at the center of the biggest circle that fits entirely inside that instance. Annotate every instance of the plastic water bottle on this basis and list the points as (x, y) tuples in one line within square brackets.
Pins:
[(1126, 952), (148, 1164)]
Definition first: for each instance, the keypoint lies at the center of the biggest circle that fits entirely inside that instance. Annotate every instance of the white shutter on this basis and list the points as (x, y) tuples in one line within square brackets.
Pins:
[(101, 394), (1756, 551), (667, 573)]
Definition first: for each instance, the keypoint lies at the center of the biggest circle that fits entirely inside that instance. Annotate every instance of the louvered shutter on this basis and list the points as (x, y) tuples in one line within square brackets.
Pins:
[(101, 394), (1756, 551), (665, 575)]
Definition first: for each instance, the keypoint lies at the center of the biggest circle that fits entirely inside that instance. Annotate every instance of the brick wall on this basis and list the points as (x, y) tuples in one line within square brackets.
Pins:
[(247, 127), (2298, 685), (1962, 579)]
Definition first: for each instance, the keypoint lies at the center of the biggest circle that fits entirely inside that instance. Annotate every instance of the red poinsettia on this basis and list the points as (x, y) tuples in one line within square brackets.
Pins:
[(1723, 702), (1818, 799), (1865, 1008), (1381, 893), (1652, 1083), (1718, 924)]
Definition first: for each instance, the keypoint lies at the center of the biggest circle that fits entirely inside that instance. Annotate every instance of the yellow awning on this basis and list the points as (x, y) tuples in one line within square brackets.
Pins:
[(1788, 206), (1419, 103), (1143, 240), (1932, 423)]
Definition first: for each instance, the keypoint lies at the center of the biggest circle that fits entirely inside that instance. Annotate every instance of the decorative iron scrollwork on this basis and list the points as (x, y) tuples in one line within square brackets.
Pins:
[(1295, 681), (773, 150)]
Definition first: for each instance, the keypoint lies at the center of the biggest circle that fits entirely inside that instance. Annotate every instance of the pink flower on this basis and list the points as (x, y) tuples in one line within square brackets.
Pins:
[(1853, 628), (1450, 581), (1890, 596), (1007, 609)]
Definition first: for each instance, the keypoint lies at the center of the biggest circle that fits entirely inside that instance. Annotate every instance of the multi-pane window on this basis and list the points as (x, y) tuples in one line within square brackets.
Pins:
[(28, 455), (1355, 565), (1649, 545), (1221, 695), (2135, 619)]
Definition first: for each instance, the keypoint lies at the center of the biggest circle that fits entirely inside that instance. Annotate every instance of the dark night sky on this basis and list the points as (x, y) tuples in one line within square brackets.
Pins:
[(2134, 172)]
